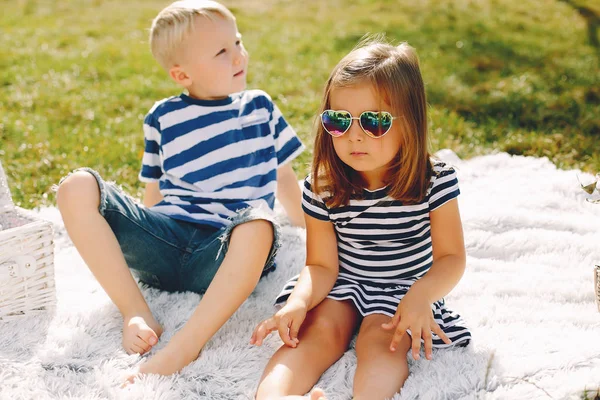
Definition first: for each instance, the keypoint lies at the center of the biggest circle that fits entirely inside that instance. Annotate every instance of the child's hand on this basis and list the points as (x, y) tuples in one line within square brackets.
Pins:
[(414, 313), (287, 321)]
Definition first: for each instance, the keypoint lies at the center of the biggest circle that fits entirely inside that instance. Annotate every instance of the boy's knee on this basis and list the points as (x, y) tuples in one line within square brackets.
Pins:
[(78, 189), (259, 229)]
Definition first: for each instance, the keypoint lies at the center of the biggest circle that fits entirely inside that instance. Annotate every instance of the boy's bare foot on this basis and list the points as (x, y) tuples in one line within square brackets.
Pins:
[(140, 333), (317, 394), (169, 360)]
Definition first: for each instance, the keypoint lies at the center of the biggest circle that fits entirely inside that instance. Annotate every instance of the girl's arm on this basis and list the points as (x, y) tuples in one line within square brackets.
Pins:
[(322, 266), (289, 194), (414, 311), (449, 256), (314, 283), (152, 194)]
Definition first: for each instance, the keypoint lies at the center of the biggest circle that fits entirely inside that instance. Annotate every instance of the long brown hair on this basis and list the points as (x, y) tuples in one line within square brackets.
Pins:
[(394, 73)]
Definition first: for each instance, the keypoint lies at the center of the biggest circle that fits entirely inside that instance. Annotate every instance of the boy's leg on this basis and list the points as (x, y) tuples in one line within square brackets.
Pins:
[(324, 337), (380, 373), (248, 250), (79, 200)]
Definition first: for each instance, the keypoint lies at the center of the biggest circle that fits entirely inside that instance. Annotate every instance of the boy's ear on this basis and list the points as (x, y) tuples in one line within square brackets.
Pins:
[(179, 76)]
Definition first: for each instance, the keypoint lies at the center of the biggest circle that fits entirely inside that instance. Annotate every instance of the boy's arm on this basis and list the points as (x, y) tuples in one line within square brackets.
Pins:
[(289, 194), (152, 194)]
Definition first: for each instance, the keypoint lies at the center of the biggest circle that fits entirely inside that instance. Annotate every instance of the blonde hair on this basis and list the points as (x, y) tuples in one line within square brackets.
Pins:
[(393, 72), (172, 25)]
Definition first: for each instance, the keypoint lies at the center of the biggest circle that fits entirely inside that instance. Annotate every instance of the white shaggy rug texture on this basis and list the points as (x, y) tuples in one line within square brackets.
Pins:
[(527, 294)]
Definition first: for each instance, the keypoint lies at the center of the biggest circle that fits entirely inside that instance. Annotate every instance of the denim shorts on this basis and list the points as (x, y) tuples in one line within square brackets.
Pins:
[(167, 253)]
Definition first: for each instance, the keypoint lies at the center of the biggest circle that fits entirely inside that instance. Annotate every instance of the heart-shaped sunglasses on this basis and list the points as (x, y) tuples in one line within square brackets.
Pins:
[(374, 124)]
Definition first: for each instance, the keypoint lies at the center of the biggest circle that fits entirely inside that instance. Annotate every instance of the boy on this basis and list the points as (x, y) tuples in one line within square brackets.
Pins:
[(213, 160)]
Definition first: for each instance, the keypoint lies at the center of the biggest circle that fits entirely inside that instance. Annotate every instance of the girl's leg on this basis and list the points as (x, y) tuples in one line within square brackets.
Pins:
[(324, 337), (315, 394), (380, 373), (78, 199)]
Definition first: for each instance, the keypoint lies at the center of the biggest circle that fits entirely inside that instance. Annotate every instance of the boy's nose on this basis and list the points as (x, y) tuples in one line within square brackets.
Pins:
[(239, 56)]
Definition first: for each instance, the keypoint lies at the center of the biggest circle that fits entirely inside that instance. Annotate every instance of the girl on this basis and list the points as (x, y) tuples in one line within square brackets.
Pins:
[(384, 236)]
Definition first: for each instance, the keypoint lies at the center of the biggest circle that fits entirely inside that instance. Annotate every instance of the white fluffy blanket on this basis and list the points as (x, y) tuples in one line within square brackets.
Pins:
[(527, 294)]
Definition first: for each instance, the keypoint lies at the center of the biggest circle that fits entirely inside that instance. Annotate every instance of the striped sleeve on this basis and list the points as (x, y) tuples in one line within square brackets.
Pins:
[(445, 186), (312, 203), (151, 167), (287, 144)]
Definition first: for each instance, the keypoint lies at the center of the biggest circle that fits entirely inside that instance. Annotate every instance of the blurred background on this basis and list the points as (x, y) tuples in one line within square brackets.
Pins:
[(77, 77)]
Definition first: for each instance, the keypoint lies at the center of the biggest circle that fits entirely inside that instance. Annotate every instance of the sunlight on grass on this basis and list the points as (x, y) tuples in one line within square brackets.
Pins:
[(77, 78)]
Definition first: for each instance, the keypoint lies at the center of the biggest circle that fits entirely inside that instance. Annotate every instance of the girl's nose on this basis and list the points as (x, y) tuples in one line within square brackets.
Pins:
[(355, 133)]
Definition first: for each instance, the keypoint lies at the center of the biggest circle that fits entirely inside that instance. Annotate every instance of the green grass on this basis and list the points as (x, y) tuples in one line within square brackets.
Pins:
[(591, 394), (76, 78)]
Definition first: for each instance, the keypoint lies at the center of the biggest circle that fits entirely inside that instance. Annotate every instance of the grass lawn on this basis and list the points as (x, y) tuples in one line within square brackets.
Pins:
[(77, 77)]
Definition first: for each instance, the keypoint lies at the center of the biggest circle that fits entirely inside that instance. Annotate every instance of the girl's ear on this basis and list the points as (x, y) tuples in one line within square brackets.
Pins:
[(179, 76)]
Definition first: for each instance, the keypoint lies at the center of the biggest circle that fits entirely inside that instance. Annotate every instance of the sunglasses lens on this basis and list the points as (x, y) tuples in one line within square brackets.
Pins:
[(376, 123), (336, 123)]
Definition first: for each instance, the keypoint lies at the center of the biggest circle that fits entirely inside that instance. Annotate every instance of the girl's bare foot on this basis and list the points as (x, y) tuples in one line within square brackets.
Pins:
[(140, 333), (317, 394)]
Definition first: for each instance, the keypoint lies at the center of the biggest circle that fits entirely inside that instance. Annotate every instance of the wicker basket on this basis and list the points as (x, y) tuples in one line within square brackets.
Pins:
[(26, 260)]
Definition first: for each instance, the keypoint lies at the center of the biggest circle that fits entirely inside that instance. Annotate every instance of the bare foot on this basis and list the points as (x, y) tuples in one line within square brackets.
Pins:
[(317, 394), (140, 333), (167, 361)]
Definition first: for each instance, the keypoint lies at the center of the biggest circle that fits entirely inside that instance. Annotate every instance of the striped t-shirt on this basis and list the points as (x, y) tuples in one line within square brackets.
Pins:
[(379, 238), (213, 158), (384, 246)]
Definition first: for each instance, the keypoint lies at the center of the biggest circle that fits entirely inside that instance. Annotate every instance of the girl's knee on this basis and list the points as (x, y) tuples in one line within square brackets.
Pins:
[(330, 332), (78, 189), (364, 344), (376, 339)]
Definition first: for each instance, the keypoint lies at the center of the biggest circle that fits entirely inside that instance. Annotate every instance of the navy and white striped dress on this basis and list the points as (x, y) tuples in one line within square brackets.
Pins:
[(384, 247)]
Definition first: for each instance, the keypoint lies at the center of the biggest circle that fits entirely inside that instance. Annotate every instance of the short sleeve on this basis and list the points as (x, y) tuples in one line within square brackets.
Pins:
[(444, 186), (151, 166), (287, 144), (312, 203)]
